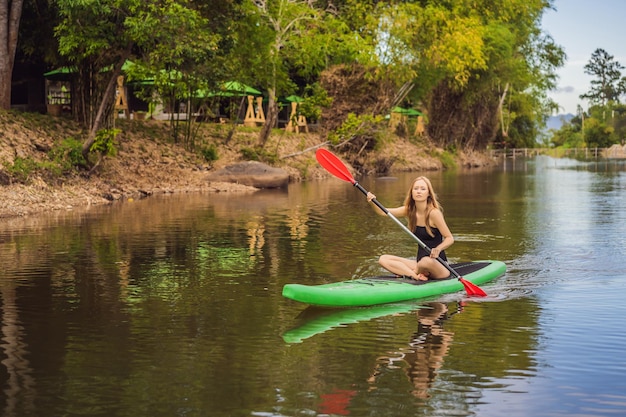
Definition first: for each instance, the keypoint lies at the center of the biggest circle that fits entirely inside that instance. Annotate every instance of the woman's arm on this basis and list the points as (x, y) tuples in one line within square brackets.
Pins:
[(396, 211)]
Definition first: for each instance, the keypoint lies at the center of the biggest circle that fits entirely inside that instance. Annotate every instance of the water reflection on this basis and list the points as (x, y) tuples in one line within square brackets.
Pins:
[(425, 353), (315, 320), (172, 305), (19, 389)]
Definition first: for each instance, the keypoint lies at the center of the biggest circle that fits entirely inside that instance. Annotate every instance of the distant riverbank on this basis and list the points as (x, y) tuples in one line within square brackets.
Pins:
[(148, 163)]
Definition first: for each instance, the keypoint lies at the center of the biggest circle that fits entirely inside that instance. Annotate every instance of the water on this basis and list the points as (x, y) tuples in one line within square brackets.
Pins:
[(172, 305)]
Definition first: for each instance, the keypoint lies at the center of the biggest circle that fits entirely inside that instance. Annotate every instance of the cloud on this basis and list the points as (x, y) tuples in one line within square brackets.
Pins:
[(568, 89)]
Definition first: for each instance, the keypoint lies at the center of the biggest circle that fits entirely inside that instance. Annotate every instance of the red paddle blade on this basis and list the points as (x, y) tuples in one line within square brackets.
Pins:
[(333, 165), (471, 289)]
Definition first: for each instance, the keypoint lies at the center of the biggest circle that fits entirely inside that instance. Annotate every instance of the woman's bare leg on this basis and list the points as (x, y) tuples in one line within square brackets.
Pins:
[(400, 266), (432, 268)]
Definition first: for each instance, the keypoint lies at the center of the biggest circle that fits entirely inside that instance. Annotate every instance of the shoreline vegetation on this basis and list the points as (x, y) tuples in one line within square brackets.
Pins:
[(148, 162)]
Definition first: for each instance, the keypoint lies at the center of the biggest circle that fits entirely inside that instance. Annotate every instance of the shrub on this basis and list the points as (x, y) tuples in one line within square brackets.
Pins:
[(209, 153), (360, 131), (21, 168), (67, 155), (105, 142), (258, 154)]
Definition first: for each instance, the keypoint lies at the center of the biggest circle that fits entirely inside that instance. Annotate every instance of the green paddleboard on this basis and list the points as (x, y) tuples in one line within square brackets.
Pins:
[(388, 289)]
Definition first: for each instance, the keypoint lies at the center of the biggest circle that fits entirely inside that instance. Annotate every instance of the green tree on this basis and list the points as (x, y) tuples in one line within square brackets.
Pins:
[(283, 21), (618, 117), (302, 39), (407, 48), (10, 15), (520, 68), (479, 70), (597, 134), (473, 66), (600, 127), (185, 57), (100, 36), (608, 85), (570, 135), (37, 45), (93, 37)]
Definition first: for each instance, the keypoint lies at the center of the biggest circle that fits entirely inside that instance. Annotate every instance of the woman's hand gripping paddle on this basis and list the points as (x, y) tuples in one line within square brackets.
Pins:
[(334, 165)]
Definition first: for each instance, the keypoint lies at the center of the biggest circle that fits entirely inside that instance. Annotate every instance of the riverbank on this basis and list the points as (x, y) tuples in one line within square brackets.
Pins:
[(147, 162)]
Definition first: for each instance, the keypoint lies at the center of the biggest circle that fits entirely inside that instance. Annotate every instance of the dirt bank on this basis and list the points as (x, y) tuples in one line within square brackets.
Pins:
[(148, 162)]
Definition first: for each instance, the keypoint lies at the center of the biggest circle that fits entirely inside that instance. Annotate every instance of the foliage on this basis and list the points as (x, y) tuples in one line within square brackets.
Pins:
[(181, 59), (355, 89), (569, 136), (37, 43), (67, 155), (618, 118), (447, 159), (282, 21), (258, 154), (357, 126), (521, 62), (178, 47), (608, 84), (462, 63), (315, 99), (64, 158), (478, 70), (597, 134), (209, 153), (521, 133), (600, 127), (92, 38), (21, 169), (604, 124), (105, 142)]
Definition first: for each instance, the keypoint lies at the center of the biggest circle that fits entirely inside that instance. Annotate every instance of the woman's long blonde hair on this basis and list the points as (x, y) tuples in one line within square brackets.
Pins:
[(431, 203)]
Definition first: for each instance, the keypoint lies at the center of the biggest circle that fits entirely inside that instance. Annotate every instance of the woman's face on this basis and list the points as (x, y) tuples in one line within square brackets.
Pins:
[(420, 190)]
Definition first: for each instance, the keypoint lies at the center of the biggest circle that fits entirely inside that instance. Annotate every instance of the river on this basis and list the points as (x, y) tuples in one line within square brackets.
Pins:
[(172, 306)]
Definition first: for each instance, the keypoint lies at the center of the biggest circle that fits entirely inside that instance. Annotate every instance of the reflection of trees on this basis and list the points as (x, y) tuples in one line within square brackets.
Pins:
[(19, 386), (427, 349), (129, 307), (108, 297), (256, 230)]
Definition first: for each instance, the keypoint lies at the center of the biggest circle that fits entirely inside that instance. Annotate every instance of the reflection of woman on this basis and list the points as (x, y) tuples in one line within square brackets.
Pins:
[(428, 346)]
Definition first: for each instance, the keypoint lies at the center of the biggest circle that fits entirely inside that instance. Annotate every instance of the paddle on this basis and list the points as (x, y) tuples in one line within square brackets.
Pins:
[(334, 165)]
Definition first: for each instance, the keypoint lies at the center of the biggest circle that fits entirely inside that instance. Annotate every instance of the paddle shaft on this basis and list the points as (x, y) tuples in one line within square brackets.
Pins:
[(406, 229)]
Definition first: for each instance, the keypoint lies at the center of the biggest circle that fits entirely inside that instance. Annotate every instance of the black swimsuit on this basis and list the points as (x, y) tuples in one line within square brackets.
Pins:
[(428, 240)]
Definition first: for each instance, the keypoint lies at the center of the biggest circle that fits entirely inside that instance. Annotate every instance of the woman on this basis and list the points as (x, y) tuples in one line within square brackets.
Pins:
[(425, 217)]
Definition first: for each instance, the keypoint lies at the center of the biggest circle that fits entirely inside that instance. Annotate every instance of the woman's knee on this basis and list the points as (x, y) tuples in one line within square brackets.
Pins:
[(427, 263), (436, 269), (384, 259), (423, 263)]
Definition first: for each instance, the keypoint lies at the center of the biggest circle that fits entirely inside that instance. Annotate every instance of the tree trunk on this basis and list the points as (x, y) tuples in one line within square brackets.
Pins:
[(10, 15), (270, 118), (107, 99), (6, 71), (505, 127)]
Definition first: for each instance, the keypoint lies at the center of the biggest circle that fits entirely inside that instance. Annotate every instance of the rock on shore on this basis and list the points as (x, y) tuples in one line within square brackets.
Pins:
[(252, 173)]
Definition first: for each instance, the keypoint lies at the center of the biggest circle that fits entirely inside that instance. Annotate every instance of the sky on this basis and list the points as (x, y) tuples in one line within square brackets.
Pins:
[(580, 27)]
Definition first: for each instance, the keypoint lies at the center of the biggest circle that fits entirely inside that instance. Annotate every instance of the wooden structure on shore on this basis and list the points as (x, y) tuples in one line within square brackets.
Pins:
[(254, 113), (121, 103), (296, 121)]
